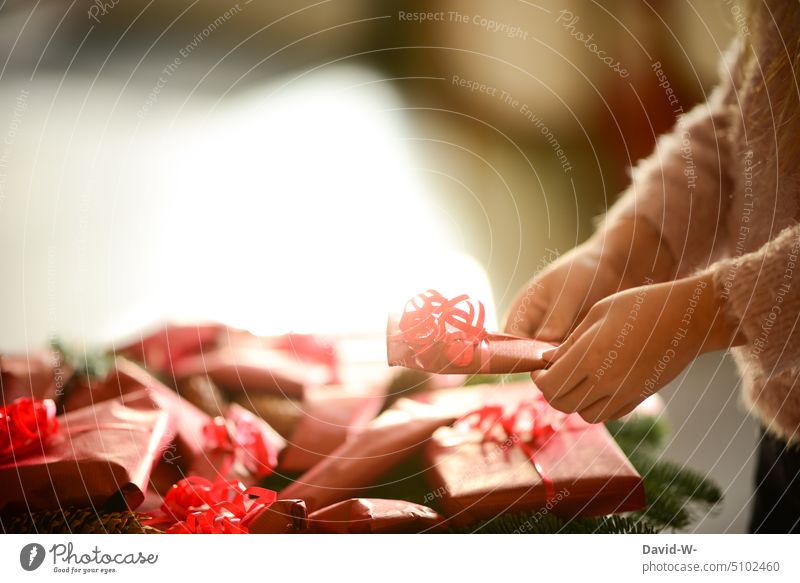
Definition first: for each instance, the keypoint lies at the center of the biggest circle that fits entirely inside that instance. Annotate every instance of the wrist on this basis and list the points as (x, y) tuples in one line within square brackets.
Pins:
[(721, 331), (633, 248)]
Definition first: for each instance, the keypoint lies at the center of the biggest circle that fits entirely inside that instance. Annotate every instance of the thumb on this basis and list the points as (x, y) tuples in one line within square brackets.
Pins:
[(527, 312), (561, 317)]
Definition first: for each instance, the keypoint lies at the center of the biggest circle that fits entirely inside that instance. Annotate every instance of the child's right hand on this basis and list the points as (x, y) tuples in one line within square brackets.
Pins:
[(625, 254)]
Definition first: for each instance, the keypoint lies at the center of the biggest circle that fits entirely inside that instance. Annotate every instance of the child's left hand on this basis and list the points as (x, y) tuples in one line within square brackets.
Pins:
[(631, 344)]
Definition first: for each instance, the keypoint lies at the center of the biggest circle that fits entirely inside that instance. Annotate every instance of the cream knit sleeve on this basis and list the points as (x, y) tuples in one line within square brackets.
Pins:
[(683, 188), (763, 292)]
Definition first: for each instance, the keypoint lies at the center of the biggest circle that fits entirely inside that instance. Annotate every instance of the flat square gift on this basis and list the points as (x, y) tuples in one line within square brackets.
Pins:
[(447, 336), (494, 461), (97, 456), (363, 460)]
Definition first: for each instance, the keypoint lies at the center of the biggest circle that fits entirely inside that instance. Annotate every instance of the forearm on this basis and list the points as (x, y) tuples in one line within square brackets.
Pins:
[(706, 316)]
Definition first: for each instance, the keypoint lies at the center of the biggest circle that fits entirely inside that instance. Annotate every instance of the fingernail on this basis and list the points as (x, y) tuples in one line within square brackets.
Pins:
[(548, 354)]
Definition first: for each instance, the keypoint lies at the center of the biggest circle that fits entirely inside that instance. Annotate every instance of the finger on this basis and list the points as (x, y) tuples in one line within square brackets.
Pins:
[(569, 369), (599, 410), (622, 411), (553, 355), (580, 397), (561, 316), (526, 313)]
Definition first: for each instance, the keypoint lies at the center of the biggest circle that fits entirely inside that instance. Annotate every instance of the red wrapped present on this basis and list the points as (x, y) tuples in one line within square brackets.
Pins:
[(253, 370), (281, 517), (461, 400), (374, 516), (331, 415), (492, 462), (126, 381), (360, 462), (98, 456), (447, 336), (37, 375), (161, 349), (238, 446)]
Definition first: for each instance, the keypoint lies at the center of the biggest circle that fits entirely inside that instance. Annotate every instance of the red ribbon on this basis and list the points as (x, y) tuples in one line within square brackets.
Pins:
[(242, 443), (312, 348), (530, 424), (201, 506), (432, 322), (25, 427)]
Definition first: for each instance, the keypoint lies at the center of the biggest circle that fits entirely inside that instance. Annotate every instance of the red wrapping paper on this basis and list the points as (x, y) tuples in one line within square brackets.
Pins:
[(254, 370), (282, 517), (474, 479), (444, 336), (461, 400), (360, 462), (162, 348), (101, 457), (128, 381), (250, 453), (37, 375), (374, 516), (331, 415)]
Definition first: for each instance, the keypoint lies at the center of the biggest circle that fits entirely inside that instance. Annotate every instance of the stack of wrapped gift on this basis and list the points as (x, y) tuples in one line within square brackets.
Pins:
[(207, 429)]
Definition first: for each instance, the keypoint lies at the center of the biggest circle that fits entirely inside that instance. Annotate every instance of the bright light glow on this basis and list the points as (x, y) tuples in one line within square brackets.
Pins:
[(298, 206), (300, 209)]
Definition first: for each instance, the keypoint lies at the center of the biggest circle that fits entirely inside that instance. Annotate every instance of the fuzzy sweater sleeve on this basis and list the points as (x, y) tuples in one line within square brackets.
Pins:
[(683, 188), (763, 293)]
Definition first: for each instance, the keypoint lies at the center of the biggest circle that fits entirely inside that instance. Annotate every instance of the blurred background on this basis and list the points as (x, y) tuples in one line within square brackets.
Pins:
[(306, 165)]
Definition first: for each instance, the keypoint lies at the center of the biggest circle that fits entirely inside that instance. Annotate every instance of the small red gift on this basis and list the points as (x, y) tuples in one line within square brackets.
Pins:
[(331, 415), (162, 348), (281, 517), (127, 381), (36, 375), (374, 516), (447, 336), (360, 462), (97, 456), (254, 370), (529, 458)]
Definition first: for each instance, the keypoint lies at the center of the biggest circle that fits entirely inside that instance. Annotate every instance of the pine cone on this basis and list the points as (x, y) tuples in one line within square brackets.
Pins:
[(77, 521)]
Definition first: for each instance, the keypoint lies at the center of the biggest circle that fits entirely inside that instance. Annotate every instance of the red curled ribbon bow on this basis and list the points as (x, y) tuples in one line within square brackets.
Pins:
[(530, 424), (242, 443), (25, 427), (201, 506), (430, 321)]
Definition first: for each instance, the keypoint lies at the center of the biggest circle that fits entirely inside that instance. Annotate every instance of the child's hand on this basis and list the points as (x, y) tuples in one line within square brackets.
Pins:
[(554, 301), (623, 255), (631, 344)]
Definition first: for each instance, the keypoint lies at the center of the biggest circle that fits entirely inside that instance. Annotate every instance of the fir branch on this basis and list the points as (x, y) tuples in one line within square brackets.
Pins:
[(538, 523), (676, 478), (90, 363)]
